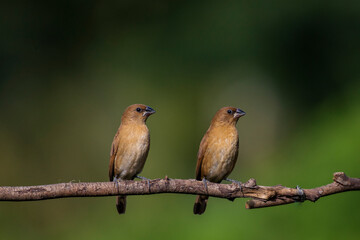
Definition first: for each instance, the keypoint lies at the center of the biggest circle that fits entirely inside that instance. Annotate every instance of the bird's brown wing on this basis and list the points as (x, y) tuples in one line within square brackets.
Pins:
[(113, 151), (201, 153)]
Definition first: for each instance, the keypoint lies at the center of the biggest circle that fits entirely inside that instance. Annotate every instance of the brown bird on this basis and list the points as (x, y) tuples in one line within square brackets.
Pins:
[(130, 148), (218, 151)]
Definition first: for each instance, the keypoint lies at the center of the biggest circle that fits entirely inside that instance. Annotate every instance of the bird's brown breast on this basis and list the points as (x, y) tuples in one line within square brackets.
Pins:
[(132, 150), (221, 153)]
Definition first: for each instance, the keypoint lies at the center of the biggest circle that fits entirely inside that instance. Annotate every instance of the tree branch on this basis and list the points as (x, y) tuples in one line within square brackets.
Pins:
[(262, 196)]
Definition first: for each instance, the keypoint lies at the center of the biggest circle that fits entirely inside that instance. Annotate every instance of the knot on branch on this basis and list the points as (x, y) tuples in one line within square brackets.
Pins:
[(251, 183), (341, 178)]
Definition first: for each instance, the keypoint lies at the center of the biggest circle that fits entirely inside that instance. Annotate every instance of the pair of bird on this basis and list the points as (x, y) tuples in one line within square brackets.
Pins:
[(217, 154)]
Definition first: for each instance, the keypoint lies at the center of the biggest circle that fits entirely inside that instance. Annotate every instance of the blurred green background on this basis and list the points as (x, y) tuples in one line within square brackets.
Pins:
[(69, 69)]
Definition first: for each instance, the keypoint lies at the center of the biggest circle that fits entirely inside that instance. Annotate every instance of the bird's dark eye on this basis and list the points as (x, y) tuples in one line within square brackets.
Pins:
[(138, 109), (229, 111)]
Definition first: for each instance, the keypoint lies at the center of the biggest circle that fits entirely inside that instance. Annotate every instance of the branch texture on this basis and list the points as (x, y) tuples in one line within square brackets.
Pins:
[(261, 196)]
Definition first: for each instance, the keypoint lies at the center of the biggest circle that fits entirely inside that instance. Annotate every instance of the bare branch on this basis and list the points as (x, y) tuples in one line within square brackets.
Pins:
[(262, 196)]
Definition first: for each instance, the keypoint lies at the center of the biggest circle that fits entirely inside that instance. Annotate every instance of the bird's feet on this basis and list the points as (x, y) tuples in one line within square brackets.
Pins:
[(116, 181), (235, 181), (205, 184), (144, 178)]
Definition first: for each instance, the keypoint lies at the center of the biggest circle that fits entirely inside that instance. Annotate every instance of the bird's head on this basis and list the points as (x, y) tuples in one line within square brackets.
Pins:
[(137, 113), (228, 115)]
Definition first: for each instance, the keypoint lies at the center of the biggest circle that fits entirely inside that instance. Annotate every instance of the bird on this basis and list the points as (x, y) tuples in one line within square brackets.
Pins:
[(218, 151), (130, 148)]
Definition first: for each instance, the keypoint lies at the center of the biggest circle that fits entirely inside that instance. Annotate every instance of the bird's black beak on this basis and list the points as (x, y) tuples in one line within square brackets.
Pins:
[(149, 111), (239, 113)]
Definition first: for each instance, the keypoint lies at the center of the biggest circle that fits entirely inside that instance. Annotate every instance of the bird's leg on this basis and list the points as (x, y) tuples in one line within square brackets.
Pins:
[(204, 181), (234, 181), (116, 180), (144, 178)]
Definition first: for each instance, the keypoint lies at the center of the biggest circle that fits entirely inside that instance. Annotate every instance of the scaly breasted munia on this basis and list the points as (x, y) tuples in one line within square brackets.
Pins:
[(130, 147), (218, 151)]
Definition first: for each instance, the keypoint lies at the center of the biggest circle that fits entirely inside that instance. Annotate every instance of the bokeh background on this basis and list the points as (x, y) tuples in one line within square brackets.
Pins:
[(69, 69)]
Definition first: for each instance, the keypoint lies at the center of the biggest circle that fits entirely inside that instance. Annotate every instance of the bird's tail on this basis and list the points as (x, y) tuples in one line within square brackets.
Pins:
[(200, 204), (121, 204)]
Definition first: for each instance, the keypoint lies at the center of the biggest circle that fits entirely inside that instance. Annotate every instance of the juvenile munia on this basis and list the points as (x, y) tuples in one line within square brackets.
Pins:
[(130, 148), (218, 151)]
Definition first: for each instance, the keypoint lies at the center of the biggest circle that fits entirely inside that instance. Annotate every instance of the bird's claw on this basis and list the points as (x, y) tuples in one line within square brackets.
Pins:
[(205, 183), (116, 181), (236, 182), (144, 178)]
